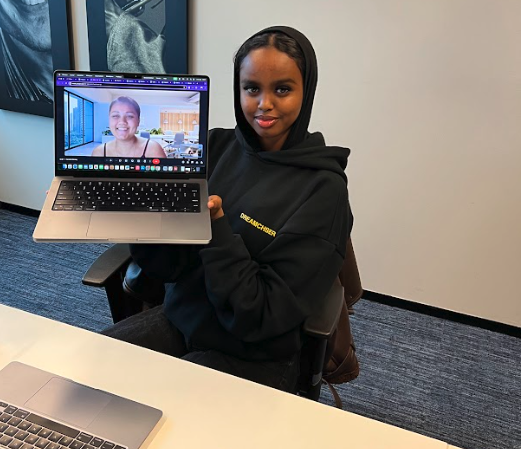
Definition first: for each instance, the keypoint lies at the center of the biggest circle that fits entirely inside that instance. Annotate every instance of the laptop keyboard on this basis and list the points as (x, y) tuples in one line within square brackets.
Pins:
[(127, 196), (20, 429)]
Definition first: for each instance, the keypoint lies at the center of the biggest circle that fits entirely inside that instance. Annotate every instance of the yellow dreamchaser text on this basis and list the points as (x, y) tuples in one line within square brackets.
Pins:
[(258, 225)]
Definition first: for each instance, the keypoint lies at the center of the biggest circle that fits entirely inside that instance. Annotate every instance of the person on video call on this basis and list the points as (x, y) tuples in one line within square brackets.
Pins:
[(25, 44), (124, 117)]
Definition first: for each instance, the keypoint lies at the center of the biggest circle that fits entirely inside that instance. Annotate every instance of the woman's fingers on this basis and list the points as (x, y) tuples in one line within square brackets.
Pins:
[(215, 204), (215, 201)]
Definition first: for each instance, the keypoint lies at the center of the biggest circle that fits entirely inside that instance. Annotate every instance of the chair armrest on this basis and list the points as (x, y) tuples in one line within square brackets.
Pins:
[(106, 265), (323, 324)]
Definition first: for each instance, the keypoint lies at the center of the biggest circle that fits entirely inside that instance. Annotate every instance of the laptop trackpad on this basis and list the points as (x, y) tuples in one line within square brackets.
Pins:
[(69, 402), (106, 225)]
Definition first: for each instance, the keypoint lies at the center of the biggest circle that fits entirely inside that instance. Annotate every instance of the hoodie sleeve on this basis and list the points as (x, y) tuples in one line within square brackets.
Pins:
[(261, 298)]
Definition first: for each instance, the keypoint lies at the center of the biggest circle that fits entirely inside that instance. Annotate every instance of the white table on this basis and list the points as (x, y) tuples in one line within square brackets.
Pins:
[(203, 409)]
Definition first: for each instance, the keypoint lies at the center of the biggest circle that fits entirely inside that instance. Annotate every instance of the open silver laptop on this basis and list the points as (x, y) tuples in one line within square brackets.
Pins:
[(39, 409), (130, 159)]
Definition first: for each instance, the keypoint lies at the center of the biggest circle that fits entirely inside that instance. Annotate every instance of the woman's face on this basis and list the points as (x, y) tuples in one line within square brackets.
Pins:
[(271, 96), (28, 22), (123, 120)]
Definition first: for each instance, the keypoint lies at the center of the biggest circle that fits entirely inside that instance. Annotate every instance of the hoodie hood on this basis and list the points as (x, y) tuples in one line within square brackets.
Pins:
[(299, 129), (311, 153)]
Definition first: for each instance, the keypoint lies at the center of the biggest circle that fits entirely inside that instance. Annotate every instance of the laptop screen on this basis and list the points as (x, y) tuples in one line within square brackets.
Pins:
[(137, 125)]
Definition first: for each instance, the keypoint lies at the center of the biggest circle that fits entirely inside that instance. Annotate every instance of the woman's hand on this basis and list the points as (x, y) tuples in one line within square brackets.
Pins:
[(215, 204)]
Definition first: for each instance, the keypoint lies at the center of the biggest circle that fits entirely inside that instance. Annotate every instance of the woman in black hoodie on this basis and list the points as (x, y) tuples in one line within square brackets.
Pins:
[(280, 222)]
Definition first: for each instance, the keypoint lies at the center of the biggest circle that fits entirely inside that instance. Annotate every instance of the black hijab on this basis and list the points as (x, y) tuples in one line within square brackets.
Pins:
[(299, 129)]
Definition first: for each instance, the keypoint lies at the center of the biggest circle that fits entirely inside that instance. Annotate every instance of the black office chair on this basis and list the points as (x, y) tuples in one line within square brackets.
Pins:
[(108, 271)]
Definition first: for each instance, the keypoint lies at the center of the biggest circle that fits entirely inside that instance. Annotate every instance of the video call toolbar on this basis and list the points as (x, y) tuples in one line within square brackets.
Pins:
[(136, 168)]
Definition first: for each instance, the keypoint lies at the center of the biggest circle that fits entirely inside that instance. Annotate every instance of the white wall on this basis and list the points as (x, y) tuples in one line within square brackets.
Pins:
[(150, 117), (428, 96)]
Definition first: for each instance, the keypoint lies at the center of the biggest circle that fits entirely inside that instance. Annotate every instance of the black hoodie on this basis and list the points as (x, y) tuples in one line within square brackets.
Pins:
[(275, 253)]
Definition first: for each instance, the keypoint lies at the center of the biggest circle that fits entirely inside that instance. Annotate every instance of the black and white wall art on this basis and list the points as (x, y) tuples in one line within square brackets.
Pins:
[(34, 41), (146, 36)]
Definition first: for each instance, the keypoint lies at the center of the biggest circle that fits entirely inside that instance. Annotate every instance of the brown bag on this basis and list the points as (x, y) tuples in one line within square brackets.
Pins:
[(341, 364)]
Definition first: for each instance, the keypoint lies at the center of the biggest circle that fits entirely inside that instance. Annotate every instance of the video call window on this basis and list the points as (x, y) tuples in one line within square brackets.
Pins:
[(165, 123), (79, 121)]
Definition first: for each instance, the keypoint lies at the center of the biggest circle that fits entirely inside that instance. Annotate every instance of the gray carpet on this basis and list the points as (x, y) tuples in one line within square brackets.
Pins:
[(442, 379)]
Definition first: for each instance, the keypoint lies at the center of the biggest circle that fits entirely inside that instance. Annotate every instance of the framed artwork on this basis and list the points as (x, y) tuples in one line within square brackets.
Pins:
[(34, 41), (138, 36)]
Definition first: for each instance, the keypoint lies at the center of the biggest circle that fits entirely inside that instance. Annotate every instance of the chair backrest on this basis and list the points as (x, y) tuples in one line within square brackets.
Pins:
[(340, 361), (179, 137), (145, 134), (330, 352)]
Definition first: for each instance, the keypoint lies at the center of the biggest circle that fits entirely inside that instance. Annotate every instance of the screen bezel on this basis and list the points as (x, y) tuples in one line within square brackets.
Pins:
[(203, 132)]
